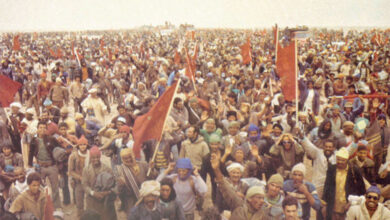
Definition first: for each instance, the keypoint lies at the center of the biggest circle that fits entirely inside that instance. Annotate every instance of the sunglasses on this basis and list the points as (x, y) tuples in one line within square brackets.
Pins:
[(372, 197), (285, 142)]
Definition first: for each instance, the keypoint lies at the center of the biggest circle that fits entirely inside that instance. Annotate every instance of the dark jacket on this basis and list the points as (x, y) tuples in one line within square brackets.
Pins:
[(354, 185), (50, 144)]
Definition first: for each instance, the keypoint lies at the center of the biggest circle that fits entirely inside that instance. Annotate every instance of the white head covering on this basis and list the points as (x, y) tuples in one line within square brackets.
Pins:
[(235, 166), (299, 167), (16, 104), (30, 111), (150, 187)]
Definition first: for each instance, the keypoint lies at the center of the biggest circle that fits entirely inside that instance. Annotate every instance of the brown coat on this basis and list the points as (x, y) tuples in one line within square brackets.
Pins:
[(26, 203)]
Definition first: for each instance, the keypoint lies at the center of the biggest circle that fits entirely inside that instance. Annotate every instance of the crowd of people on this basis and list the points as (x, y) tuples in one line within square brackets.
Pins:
[(232, 147)]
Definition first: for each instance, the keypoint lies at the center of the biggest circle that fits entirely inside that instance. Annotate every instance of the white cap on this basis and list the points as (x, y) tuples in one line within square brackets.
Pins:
[(93, 90), (30, 111), (16, 104), (121, 119)]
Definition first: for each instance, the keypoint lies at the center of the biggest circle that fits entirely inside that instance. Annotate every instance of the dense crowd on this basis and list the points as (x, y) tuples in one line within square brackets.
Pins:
[(229, 132)]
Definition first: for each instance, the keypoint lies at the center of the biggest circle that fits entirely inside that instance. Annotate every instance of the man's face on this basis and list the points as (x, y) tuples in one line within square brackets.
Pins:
[(256, 202), (286, 143), (348, 130), (372, 200), (239, 156), (382, 123), (362, 155), (182, 172), (122, 111), (150, 201), (165, 191), (95, 160), (297, 176), (42, 129), (328, 149), (233, 130), (214, 147), (128, 159), (14, 110), (83, 148), (210, 126), (235, 175), (273, 190), (348, 109), (6, 151), (291, 212), (179, 105), (34, 187), (341, 163), (277, 131), (29, 116), (191, 133), (62, 131), (80, 121)]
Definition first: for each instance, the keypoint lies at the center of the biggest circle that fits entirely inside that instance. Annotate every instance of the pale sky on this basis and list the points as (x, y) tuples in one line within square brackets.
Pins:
[(36, 15)]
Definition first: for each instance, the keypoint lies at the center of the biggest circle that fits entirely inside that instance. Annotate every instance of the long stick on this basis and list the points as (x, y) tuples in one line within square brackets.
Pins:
[(165, 121), (296, 83)]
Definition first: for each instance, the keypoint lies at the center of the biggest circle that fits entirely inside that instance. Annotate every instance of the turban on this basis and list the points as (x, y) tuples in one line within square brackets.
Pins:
[(47, 102), (254, 190), (16, 104), (234, 124), (277, 179), (64, 110), (343, 153), (121, 119), (235, 166), (93, 90), (82, 140), (124, 128), (382, 116), (126, 151), (214, 138), (30, 111), (150, 187), (336, 107), (94, 151), (184, 163), (348, 123), (299, 167), (78, 116), (374, 189)]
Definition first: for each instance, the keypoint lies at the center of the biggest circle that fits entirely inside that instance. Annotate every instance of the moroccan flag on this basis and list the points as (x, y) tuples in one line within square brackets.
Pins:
[(16, 43), (49, 208), (286, 64), (246, 52), (52, 53), (59, 53), (190, 67), (177, 58), (8, 88), (150, 125)]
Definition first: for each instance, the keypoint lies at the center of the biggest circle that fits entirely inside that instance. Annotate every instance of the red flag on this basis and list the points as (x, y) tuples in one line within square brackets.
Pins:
[(190, 67), (16, 43), (49, 208), (177, 58), (195, 56), (8, 88), (246, 52), (59, 53), (286, 64), (52, 53), (150, 125)]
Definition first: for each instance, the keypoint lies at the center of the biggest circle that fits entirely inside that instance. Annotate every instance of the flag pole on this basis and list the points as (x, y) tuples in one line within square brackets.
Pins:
[(296, 82), (276, 43), (165, 121)]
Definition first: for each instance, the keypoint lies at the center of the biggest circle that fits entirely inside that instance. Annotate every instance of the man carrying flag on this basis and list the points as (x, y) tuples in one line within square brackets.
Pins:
[(150, 125)]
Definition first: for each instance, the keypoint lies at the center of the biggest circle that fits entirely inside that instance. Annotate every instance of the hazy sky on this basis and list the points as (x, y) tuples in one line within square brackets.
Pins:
[(30, 15)]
